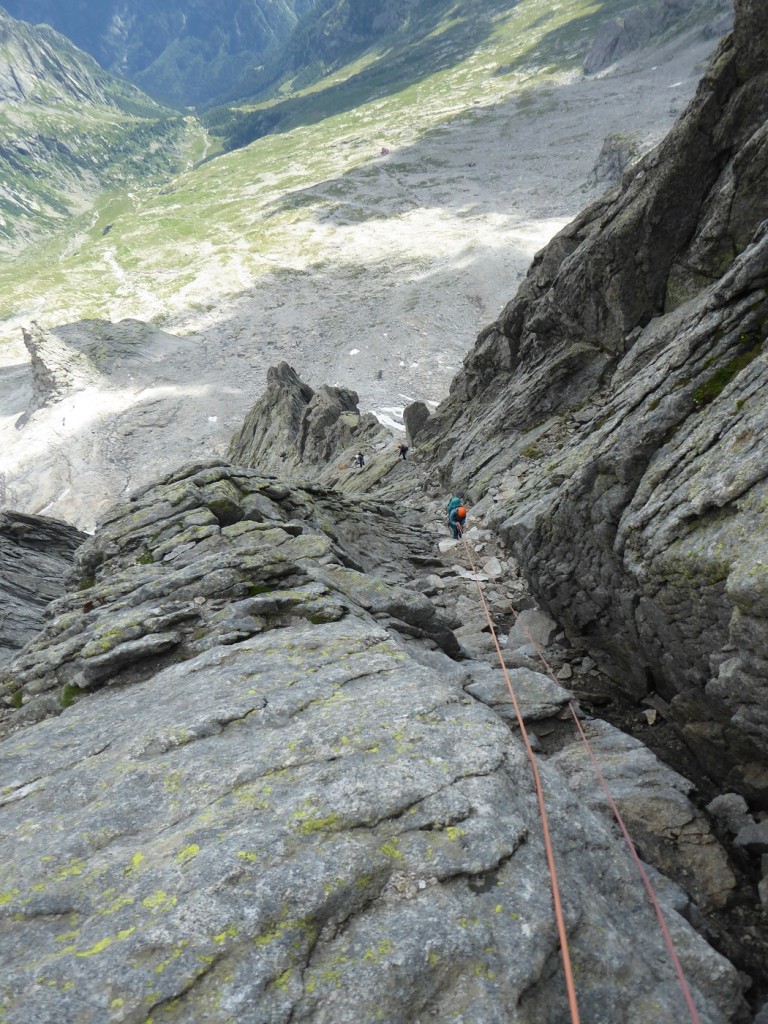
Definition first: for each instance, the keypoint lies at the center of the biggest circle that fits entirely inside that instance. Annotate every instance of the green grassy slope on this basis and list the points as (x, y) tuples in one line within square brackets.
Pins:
[(69, 131), (180, 51), (216, 228)]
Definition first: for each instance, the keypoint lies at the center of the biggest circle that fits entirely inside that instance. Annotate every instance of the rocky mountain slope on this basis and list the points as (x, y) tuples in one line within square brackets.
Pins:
[(189, 53), (260, 763), (182, 52), (611, 421), (312, 248), (292, 795), (35, 558), (69, 131)]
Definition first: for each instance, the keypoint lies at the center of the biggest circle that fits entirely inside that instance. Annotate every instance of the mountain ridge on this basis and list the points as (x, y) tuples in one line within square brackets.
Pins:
[(70, 132)]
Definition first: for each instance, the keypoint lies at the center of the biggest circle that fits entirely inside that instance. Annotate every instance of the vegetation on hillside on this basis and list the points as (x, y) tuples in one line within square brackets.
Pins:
[(182, 52), (69, 131), (351, 52), (152, 252)]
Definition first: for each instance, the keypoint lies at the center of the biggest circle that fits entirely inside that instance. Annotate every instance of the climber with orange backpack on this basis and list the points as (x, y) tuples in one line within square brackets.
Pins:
[(457, 516)]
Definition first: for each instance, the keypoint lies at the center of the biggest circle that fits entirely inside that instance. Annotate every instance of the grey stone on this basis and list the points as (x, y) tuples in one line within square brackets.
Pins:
[(415, 416), (36, 556), (532, 627), (537, 695), (295, 431), (57, 369), (653, 800), (754, 837), (315, 822), (731, 810), (642, 531)]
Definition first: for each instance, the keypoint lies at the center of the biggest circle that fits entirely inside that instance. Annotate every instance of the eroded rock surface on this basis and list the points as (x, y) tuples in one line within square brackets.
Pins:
[(274, 794), (36, 555), (612, 423), (296, 430)]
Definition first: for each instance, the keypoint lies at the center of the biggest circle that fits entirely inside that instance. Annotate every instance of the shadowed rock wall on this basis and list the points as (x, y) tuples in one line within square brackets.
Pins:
[(36, 556), (613, 423)]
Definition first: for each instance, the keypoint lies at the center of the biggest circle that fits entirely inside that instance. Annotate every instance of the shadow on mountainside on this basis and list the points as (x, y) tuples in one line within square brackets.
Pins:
[(403, 67)]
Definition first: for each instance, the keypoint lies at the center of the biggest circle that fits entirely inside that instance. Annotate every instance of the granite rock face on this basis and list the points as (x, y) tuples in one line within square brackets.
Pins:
[(612, 421), (57, 369), (36, 555), (293, 430), (301, 434), (250, 781)]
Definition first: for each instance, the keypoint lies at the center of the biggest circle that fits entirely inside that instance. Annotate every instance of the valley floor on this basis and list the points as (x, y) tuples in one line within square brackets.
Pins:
[(382, 290)]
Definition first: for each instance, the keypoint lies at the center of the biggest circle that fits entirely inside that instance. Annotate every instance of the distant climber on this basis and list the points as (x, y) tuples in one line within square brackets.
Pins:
[(457, 516), (403, 449), (359, 460)]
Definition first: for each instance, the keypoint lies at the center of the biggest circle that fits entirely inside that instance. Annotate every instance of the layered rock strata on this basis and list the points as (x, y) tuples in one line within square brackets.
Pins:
[(612, 421), (36, 556), (273, 793)]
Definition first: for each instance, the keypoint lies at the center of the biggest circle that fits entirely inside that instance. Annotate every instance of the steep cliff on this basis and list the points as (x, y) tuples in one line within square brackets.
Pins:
[(613, 424), (36, 555)]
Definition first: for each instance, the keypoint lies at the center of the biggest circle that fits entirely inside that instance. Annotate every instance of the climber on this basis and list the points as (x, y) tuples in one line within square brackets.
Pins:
[(359, 460), (403, 449), (457, 516)]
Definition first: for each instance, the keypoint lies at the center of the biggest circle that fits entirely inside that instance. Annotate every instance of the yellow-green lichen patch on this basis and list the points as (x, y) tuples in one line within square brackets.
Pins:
[(305, 929), (136, 860), (187, 854), (454, 833), (159, 901), (110, 902), (105, 943), (390, 848), (318, 824), (178, 951), (377, 954), (76, 866), (307, 819), (282, 980), (172, 782)]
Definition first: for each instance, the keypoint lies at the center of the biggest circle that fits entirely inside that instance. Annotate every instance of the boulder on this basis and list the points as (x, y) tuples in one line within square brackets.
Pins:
[(619, 151), (654, 802), (731, 811), (754, 837), (415, 416)]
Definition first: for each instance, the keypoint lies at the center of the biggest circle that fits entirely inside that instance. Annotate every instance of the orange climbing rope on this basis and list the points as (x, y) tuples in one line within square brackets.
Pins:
[(559, 916), (611, 802)]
